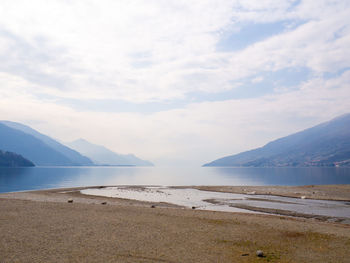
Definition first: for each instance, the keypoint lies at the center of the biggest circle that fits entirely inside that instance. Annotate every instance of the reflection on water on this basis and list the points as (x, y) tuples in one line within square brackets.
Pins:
[(182, 197), (20, 179), (215, 201)]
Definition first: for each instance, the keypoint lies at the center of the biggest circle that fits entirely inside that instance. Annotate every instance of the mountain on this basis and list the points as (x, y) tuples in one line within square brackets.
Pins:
[(327, 144), (103, 156), (75, 157), (9, 159), (38, 148)]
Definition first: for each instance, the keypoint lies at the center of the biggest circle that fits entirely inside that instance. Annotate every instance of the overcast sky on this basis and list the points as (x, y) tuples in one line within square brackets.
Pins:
[(175, 82)]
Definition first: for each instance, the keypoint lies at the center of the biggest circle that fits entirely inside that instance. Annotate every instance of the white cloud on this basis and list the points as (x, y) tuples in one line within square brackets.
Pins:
[(99, 39), (88, 49), (143, 51)]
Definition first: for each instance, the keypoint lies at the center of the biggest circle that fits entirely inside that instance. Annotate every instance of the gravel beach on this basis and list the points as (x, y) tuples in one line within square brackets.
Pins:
[(42, 226)]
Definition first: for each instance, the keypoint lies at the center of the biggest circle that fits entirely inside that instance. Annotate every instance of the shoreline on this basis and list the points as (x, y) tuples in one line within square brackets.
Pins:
[(42, 226), (335, 192), (338, 192), (324, 192)]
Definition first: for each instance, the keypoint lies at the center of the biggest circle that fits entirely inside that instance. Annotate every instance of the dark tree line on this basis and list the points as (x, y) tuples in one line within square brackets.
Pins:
[(10, 159)]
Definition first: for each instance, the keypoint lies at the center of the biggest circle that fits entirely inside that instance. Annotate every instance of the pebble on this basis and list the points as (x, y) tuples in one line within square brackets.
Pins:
[(153, 206), (259, 253), (303, 197)]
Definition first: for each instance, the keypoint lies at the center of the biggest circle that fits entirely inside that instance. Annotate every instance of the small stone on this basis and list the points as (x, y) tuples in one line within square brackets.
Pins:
[(70, 200), (153, 206), (303, 197), (103, 203), (259, 253)]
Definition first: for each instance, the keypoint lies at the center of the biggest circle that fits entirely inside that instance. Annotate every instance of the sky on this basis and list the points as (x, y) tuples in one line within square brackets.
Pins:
[(176, 82)]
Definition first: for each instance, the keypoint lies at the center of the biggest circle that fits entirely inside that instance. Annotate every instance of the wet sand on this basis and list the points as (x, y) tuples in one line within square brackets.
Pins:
[(325, 210), (321, 192), (41, 226)]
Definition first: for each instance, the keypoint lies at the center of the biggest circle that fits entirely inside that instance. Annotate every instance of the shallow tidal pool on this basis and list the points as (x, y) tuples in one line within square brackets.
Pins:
[(228, 202)]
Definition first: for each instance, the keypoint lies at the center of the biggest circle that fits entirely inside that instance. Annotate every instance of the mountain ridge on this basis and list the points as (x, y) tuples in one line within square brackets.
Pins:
[(75, 157), (326, 144), (30, 147), (101, 155)]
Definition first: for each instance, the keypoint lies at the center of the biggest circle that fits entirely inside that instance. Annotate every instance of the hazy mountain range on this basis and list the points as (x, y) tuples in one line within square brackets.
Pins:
[(102, 156), (37, 147), (327, 144), (44, 151)]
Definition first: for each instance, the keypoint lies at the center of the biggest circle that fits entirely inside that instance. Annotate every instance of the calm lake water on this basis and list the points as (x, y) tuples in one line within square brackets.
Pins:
[(20, 179)]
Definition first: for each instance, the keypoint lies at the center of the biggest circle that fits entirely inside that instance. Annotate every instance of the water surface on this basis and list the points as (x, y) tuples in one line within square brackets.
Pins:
[(21, 179), (216, 201)]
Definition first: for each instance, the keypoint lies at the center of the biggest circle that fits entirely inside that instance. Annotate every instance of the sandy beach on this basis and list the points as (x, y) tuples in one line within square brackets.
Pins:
[(41, 226)]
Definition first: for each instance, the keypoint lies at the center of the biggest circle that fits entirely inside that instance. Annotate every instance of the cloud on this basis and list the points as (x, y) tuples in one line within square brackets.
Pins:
[(101, 39), (57, 55), (96, 49), (198, 132)]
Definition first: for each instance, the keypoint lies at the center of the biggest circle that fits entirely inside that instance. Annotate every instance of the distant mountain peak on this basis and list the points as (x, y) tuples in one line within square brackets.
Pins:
[(81, 140), (103, 156)]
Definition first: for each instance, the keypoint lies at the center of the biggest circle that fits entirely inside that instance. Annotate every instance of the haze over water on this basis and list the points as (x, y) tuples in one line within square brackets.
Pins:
[(20, 179)]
